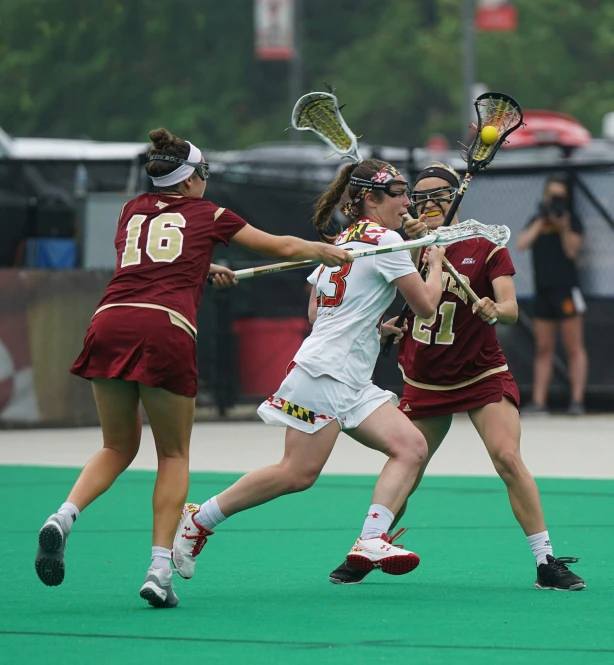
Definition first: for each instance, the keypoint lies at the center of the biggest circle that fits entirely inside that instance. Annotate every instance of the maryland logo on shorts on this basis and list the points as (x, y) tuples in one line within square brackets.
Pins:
[(299, 412)]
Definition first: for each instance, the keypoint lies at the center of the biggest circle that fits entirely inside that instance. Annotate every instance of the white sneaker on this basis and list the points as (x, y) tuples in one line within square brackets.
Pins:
[(381, 553), (158, 588), (49, 561), (190, 539)]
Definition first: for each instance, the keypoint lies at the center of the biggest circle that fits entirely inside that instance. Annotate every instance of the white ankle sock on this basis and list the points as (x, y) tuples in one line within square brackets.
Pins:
[(540, 544), (378, 521), (69, 512), (209, 514), (160, 557)]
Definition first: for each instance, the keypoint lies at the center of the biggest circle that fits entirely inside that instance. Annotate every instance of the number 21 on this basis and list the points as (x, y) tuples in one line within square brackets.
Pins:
[(444, 335)]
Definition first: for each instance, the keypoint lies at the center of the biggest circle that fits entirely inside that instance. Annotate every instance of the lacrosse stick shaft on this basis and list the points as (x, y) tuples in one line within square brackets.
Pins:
[(293, 265), (464, 231)]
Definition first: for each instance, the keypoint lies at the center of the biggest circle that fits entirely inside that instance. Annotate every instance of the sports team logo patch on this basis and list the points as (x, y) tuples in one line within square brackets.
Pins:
[(299, 412)]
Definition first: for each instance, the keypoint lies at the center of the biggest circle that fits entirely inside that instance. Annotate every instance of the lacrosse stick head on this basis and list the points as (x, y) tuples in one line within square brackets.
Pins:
[(497, 234), (501, 115), (319, 112)]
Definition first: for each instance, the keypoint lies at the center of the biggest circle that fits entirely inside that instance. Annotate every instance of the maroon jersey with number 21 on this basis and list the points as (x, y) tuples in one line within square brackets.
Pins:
[(455, 345)]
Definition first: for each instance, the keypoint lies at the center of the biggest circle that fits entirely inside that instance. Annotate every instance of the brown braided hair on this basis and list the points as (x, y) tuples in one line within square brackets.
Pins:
[(339, 189), (165, 143)]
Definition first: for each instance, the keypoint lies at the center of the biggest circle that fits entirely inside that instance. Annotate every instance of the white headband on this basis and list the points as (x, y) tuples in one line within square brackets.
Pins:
[(182, 172)]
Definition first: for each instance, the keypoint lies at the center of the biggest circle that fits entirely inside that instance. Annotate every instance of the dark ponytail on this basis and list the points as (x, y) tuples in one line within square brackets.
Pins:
[(328, 201)]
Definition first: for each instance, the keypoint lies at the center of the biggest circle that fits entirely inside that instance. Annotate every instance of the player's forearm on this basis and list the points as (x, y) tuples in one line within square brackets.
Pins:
[(507, 312), (434, 287), (296, 249)]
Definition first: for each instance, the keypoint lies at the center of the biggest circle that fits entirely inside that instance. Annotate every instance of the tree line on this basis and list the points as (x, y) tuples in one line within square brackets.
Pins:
[(115, 69)]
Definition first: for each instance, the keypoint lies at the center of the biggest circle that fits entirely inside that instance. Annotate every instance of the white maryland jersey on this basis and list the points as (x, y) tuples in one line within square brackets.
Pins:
[(352, 300)]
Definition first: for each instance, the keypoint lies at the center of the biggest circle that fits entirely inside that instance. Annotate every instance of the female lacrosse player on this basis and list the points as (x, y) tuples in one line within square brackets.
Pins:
[(452, 362), (140, 346), (328, 387)]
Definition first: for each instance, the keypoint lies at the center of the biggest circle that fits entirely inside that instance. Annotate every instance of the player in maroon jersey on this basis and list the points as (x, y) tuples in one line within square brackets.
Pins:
[(141, 344), (452, 362)]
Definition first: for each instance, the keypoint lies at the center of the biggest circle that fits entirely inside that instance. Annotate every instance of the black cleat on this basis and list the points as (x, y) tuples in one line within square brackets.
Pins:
[(49, 562), (556, 575), (346, 574)]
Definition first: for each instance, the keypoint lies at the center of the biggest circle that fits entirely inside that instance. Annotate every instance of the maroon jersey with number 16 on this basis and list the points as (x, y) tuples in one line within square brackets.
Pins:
[(144, 329), (164, 248)]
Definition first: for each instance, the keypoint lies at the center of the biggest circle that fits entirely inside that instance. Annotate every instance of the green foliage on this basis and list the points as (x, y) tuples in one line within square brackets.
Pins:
[(115, 69)]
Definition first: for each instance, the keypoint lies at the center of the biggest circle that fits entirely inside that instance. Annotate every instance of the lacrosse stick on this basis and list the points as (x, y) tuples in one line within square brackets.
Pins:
[(499, 235), (319, 112), (498, 115)]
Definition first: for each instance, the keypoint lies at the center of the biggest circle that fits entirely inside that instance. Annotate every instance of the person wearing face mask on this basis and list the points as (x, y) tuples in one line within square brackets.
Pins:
[(451, 362), (328, 387), (555, 236)]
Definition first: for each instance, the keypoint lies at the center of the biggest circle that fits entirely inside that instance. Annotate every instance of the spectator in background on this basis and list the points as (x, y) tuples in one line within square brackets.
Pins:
[(555, 236)]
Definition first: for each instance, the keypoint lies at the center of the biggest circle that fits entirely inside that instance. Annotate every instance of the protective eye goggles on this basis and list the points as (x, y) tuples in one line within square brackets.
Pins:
[(396, 188), (440, 194), (393, 187), (201, 168)]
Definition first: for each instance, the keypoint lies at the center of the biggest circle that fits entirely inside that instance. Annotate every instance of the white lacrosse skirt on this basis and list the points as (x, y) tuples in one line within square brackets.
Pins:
[(308, 403)]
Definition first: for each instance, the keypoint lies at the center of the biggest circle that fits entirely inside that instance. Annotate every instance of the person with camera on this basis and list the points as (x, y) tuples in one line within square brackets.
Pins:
[(555, 236)]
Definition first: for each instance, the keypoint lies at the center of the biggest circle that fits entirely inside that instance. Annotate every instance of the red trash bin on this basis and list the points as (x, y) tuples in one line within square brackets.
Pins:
[(265, 348)]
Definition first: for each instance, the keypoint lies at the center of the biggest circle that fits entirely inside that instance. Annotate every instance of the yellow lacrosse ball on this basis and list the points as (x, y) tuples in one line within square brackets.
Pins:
[(489, 134)]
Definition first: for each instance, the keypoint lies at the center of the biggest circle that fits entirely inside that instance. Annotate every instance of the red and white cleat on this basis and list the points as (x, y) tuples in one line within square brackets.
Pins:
[(381, 553), (190, 539)]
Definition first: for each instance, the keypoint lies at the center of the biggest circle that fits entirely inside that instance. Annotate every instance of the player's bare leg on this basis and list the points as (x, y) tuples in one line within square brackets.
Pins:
[(388, 431), (118, 409), (303, 460), (434, 431), (304, 457), (544, 332), (117, 403), (171, 417), (498, 425), (572, 333)]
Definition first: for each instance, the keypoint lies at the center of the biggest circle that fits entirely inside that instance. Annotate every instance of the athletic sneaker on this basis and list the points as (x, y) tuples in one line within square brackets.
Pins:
[(533, 409), (190, 539), (158, 588), (367, 555), (345, 574), (576, 409), (49, 562), (556, 575)]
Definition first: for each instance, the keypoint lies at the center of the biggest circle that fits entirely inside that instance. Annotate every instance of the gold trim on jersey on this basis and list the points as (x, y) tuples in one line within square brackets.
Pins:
[(456, 386), (176, 318), (494, 251), (218, 213)]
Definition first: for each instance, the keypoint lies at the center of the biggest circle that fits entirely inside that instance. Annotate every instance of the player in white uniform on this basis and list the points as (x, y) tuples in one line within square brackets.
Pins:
[(328, 387)]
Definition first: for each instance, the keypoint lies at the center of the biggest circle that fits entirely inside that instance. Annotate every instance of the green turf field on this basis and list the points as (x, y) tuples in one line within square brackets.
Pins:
[(261, 592)]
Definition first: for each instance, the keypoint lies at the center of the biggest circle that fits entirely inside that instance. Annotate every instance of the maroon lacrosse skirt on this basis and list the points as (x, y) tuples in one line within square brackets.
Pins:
[(417, 403), (139, 344)]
